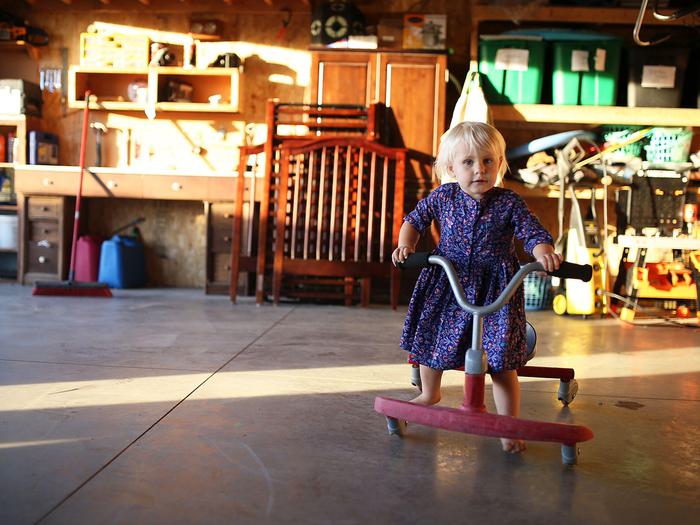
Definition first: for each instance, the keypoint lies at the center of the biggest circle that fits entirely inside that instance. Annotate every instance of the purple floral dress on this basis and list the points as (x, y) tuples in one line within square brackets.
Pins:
[(477, 236)]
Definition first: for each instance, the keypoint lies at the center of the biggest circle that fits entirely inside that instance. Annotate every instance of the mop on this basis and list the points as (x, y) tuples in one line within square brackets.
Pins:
[(71, 287)]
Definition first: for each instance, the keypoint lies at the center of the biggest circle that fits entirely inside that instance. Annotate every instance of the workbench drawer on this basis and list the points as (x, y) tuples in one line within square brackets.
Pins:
[(43, 230), (221, 264), (221, 215), (174, 187), (221, 188), (221, 239), (42, 257), (44, 207), (113, 185), (47, 183)]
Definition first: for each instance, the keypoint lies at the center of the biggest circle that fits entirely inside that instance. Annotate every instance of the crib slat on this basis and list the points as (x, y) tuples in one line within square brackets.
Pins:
[(296, 183), (346, 203), (385, 194), (370, 210), (334, 190), (321, 196), (358, 207), (307, 215)]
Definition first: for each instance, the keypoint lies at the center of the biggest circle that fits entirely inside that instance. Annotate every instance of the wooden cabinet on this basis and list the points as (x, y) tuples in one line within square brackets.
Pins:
[(212, 90), (410, 85), (219, 226), (44, 233)]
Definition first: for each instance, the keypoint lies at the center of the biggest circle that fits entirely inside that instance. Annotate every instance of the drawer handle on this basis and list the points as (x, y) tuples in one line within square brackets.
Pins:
[(176, 186), (228, 215), (42, 259), (47, 182), (111, 184), (227, 238), (43, 244), (45, 208)]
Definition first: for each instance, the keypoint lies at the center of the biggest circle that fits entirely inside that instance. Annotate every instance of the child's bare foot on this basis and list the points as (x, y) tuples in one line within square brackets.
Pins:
[(513, 446), (424, 399)]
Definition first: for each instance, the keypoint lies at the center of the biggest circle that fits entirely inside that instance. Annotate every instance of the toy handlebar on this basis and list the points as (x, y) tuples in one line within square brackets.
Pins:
[(415, 260), (566, 270)]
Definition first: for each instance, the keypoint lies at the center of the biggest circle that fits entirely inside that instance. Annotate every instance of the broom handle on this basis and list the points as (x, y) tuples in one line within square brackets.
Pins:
[(76, 221)]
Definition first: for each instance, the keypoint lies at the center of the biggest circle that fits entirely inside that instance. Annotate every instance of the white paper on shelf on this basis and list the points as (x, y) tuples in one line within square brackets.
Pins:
[(600, 57), (512, 59), (658, 77), (579, 60)]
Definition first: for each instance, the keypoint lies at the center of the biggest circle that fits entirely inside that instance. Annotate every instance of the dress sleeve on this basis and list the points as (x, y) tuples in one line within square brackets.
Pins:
[(528, 227), (424, 212)]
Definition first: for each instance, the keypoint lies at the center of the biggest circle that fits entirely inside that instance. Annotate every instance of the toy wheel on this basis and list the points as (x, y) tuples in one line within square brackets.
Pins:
[(569, 454), (559, 304), (415, 378), (531, 339), (394, 426), (567, 391)]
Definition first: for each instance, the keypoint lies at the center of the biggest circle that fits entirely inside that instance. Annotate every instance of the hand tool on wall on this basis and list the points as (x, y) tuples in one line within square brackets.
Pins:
[(99, 129)]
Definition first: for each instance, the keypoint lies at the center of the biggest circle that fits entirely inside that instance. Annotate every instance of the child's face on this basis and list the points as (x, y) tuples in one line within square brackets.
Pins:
[(476, 170)]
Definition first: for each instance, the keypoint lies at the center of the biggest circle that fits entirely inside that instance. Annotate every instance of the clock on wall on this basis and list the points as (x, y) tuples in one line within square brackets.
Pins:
[(335, 20)]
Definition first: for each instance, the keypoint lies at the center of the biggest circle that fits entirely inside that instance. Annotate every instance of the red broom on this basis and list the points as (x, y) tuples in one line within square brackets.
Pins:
[(71, 287)]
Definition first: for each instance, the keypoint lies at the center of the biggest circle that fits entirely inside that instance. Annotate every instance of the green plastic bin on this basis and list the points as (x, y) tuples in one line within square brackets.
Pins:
[(585, 65), (584, 72), (512, 68)]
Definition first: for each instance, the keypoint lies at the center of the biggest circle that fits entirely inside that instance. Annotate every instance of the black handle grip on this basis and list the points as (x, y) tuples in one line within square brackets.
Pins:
[(415, 260), (569, 270)]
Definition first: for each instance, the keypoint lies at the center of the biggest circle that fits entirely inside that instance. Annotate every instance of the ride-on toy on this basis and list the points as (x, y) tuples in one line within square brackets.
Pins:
[(472, 417)]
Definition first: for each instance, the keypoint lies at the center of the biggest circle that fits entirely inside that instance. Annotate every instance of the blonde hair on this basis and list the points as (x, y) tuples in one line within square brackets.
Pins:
[(475, 135)]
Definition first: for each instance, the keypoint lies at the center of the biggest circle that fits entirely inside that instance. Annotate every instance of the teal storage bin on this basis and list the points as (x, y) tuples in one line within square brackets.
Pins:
[(585, 72), (512, 68), (122, 262)]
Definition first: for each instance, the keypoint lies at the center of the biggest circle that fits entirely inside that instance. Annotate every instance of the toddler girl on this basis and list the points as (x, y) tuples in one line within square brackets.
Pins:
[(478, 222)]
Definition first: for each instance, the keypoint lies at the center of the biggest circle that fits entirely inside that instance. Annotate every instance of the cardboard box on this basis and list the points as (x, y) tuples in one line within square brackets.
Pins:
[(390, 32), (424, 31), (114, 50), (20, 97)]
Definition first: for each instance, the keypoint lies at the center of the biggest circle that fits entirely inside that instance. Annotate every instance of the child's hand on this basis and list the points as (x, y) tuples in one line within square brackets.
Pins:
[(547, 257), (550, 260), (401, 253)]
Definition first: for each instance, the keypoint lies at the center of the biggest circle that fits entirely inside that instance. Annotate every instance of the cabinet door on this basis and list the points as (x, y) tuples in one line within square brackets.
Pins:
[(343, 78), (413, 86)]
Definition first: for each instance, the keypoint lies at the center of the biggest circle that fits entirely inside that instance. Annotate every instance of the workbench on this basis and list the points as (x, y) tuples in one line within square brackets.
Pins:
[(46, 201)]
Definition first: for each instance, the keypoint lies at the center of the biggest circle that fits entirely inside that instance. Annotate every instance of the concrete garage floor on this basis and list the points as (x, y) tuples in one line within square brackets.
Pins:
[(169, 406)]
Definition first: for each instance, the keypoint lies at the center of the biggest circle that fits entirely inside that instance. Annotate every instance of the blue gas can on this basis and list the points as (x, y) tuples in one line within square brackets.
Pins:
[(123, 262)]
